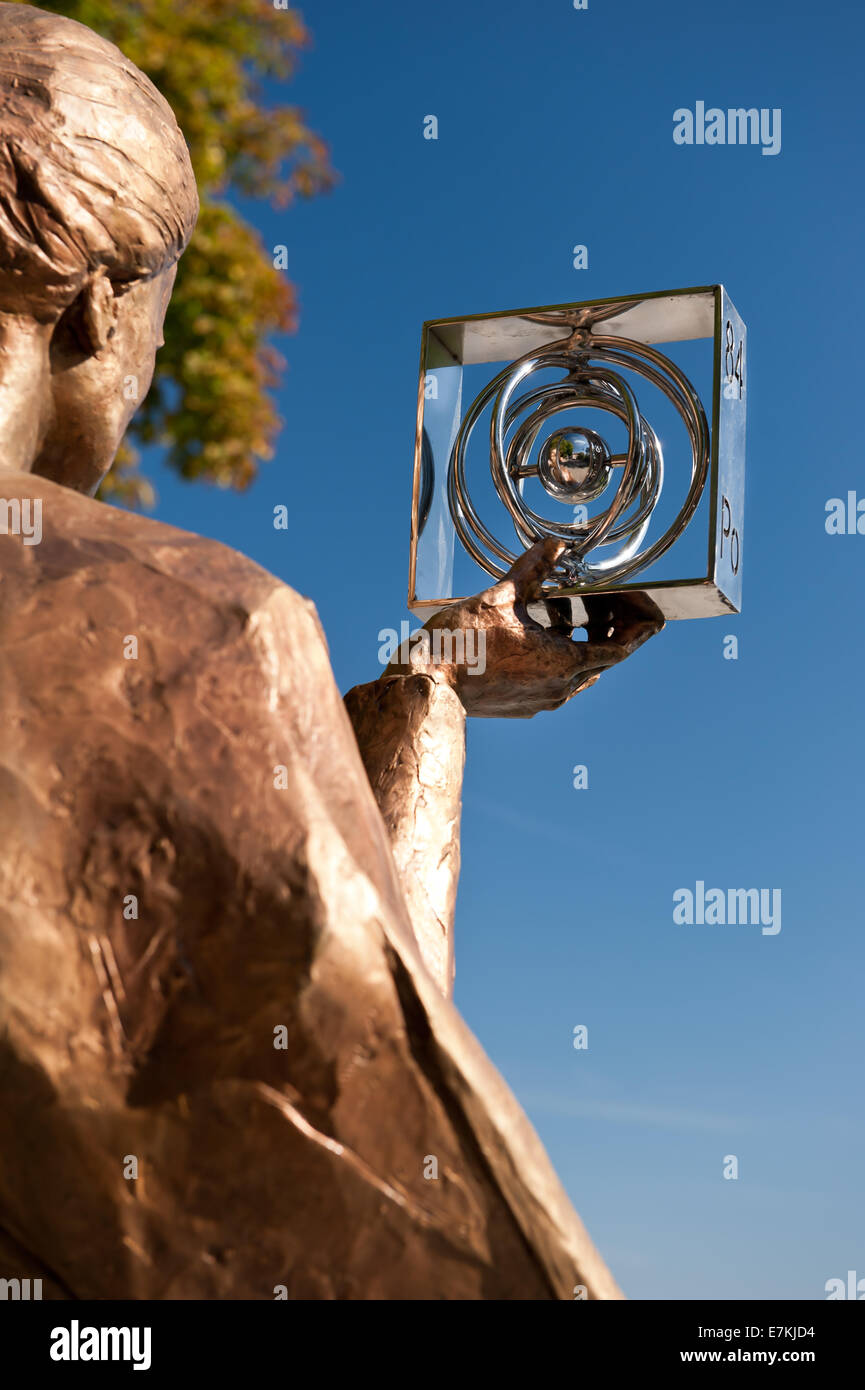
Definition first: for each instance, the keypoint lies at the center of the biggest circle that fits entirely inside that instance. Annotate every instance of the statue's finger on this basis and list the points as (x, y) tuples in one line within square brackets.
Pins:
[(528, 571), (629, 619)]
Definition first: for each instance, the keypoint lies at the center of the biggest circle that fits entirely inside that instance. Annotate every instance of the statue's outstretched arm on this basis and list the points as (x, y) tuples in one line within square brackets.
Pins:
[(410, 724)]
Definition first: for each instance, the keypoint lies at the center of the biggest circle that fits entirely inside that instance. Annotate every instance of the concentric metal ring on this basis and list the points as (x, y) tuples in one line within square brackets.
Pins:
[(590, 381)]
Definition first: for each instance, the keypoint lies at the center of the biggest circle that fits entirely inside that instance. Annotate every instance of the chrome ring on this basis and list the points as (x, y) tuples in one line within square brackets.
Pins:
[(590, 381)]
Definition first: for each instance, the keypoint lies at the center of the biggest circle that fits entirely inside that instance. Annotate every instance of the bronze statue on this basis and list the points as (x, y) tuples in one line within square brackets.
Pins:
[(229, 1064)]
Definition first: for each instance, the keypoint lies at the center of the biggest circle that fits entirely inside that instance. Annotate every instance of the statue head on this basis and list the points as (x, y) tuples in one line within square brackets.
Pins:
[(97, 202)]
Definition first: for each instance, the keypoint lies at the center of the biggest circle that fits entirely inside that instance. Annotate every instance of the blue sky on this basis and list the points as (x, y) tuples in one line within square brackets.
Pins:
[(555, 128)]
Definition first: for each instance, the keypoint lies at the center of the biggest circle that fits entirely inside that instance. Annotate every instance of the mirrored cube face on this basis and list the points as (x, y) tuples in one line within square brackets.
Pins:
[(616, 426)]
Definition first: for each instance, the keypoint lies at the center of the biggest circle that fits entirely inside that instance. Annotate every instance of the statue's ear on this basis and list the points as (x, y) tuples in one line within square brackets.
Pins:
[(88, 324), (97, 318)]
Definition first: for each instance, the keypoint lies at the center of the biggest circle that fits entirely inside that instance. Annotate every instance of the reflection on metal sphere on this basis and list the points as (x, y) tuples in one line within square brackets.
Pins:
[(574, 465)]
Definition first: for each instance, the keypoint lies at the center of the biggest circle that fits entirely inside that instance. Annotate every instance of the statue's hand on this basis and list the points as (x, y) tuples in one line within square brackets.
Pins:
[(509, 667)]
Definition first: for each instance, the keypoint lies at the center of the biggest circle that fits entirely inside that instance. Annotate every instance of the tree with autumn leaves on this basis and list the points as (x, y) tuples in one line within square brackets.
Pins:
[(210, 405)]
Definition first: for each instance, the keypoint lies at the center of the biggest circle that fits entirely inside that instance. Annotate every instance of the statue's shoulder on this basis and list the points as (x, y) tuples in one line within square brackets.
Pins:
[(56, 543)]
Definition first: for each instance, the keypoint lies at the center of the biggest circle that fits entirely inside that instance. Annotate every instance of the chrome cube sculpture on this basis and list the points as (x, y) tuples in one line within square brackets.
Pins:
[(670, 527)]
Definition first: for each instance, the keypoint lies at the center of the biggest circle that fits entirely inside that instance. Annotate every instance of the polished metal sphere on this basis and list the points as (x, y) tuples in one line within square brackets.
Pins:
[(574, 465)]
